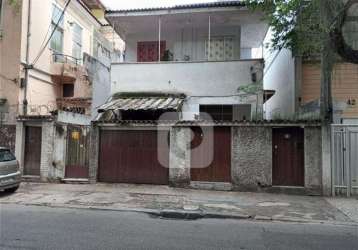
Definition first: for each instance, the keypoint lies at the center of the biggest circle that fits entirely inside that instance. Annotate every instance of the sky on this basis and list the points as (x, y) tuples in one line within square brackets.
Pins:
[(134, 4)]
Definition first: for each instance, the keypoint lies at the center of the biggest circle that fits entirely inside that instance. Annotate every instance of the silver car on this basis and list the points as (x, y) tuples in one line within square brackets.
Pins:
[(10, 175)]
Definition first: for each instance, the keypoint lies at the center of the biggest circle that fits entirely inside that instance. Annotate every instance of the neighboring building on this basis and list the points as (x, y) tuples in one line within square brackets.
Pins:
[(49, 83), (10, 51), (206, 55)]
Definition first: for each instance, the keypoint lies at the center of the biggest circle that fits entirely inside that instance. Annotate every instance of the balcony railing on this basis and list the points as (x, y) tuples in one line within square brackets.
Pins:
[(62, 58)]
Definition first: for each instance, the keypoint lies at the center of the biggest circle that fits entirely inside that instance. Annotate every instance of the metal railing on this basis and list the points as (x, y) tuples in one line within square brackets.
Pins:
[(344, 159), (62, 58)]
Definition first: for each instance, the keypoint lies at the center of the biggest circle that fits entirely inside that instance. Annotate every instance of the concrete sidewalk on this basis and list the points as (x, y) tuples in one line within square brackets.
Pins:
[(184, 203)]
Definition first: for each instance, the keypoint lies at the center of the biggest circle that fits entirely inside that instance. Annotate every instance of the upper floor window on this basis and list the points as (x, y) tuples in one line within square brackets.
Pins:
[(1, 12), (220, 48), (57, 38), (77, 41)]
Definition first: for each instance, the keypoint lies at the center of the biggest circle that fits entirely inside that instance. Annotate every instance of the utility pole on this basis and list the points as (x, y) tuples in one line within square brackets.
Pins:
[(326, 107), (27, 67)]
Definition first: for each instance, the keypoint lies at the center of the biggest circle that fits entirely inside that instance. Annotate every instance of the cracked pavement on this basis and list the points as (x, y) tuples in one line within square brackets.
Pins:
[(146, 198)]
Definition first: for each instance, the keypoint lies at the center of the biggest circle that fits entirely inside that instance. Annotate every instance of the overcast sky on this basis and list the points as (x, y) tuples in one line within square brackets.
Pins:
[(133, 4)]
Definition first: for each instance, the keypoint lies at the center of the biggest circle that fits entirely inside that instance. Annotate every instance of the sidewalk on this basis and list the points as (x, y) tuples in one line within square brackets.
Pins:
[(185, 203)]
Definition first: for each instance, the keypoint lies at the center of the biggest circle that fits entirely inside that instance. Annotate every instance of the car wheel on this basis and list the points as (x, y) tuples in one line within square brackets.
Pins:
[(11, 190)]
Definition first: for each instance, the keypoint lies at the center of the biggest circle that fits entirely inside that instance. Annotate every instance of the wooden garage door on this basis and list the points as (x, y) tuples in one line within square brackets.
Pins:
[(32, 151), (288, 156), (131, 156), (220, 168)]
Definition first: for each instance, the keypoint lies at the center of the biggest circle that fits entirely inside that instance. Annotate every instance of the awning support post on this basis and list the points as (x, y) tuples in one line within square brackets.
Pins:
[(209, 37), (159, 36)]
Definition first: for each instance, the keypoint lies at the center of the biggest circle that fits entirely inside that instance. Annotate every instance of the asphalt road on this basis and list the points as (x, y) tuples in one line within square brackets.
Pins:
[(28, 227)]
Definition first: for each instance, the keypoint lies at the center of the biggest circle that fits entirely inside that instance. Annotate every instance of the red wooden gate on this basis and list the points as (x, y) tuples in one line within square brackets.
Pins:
[(220, 168), (288, 156), (131, 156)]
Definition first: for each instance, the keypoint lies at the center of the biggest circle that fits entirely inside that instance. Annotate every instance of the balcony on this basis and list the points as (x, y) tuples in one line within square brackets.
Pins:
[(66, 69), (202, 78)]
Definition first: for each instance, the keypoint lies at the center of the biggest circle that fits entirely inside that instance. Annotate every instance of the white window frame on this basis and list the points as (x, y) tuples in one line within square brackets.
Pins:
[(55, 5), (75, 42), (1, 15)]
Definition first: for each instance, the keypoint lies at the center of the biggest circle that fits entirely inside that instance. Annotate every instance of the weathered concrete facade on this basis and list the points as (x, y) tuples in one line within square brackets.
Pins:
[(179, 158), (251, 157), (251, 166)]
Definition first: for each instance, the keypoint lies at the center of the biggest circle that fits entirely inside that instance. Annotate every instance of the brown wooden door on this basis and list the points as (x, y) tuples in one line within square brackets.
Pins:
[(288, 156), (131, 156), (220, 168), (32, 151), (77, 152), (148, 51)]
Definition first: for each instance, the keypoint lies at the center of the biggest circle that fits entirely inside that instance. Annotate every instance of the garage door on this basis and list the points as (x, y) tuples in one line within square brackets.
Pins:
[(219, 170), (131, 156)]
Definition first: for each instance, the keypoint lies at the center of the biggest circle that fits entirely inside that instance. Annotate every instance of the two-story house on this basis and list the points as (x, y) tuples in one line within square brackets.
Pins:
[(203, 54), (202, 63)]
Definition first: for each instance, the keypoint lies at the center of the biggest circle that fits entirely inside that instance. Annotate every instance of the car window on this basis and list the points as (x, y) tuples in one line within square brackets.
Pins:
[(6, 155)]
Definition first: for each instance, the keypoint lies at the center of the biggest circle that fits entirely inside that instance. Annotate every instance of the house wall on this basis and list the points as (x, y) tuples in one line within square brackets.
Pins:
[(279, 75), (100, 77), (201, 82), (10, 48), (251, 156), (344, 86)]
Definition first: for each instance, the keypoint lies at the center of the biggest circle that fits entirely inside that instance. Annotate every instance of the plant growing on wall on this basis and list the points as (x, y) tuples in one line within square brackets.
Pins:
[(16, 4)]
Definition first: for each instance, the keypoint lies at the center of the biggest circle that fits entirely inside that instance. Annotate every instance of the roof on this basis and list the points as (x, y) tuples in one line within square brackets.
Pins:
[(143, 103), (221, 4)]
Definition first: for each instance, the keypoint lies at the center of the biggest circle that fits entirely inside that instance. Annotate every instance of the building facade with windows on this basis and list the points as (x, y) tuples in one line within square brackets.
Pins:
[(208, 55)]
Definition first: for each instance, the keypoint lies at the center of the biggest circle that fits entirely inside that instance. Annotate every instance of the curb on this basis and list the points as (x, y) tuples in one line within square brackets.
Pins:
[(193, 215)]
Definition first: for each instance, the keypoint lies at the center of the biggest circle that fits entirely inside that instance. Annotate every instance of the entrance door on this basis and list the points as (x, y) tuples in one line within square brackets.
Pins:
[(77, 152), (219, 169), (32, 151), (131, 156), (148, 51), (288, 156)]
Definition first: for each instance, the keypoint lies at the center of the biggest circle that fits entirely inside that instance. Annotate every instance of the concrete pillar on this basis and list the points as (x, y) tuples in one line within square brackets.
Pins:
[(326, 161), (93, 153), (251, 154), (20, 144), (47, 149), (179, 157), (59, 154), (313, 159)]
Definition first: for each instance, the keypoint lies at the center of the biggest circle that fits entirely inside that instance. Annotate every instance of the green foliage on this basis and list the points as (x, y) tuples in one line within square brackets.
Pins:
[(297, 24), (16, 4)]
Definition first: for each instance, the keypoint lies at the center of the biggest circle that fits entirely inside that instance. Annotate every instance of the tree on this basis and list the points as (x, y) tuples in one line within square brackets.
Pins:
[(305, 27)]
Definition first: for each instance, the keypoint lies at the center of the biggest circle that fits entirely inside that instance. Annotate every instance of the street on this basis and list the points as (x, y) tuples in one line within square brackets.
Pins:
[(35, 227)]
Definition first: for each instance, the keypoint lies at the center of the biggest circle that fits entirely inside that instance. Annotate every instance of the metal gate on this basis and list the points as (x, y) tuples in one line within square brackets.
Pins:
[(345, 159), (77, 156)]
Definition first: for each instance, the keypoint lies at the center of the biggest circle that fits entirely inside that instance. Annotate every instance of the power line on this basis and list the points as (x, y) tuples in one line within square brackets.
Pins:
[(52, 33)]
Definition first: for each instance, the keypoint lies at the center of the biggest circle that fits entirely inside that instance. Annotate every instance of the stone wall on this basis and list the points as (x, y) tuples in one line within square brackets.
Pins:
[(8, 136), (251, 167)]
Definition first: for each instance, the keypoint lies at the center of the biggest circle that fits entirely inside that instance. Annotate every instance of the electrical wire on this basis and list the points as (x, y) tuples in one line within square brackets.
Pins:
[(51, 35)]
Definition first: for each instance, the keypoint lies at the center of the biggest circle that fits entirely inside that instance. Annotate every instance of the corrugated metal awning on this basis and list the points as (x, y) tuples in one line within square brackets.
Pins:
[(143, 103)]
